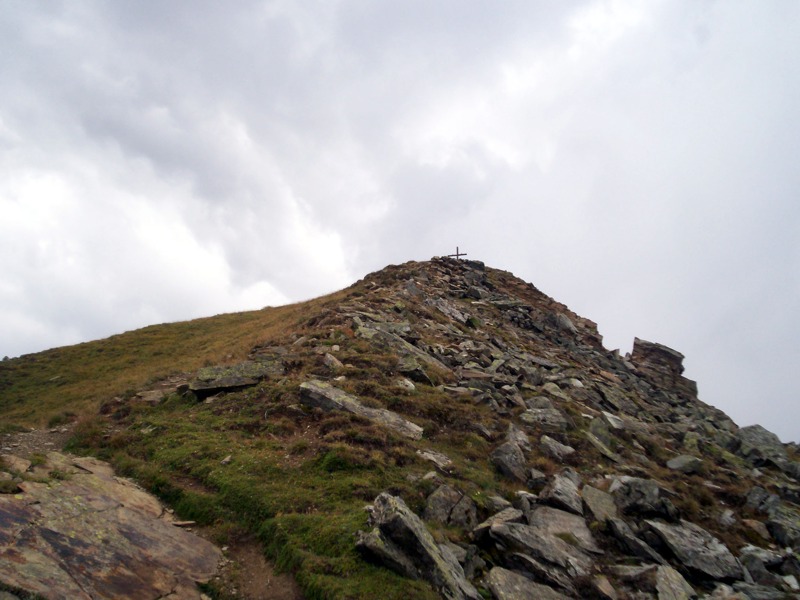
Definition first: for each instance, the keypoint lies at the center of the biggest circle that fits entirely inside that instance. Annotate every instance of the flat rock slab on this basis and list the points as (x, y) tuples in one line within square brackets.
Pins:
[(508, 585), (549, 418), (600, 504), (212, 380), (697, 549), (568, 526), (685, 464), (323, 395), (89, 535)]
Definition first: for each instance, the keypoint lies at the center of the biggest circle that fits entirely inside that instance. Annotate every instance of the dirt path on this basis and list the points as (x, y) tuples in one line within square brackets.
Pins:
[(36, 441), (244, 572)]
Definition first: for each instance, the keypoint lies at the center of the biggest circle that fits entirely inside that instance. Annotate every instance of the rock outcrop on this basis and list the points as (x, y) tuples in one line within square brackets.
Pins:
[(400, 540), (86, 534), (550, 467), (323, 395)]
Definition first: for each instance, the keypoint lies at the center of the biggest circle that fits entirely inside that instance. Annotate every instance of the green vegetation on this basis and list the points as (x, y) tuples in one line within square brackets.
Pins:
[(300, 481)]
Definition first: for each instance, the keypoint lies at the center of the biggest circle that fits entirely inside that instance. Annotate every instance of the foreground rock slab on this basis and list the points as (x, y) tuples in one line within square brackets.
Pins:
[(89, 535)]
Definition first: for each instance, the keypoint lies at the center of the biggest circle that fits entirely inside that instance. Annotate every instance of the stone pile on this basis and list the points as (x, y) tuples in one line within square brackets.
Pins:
[(613, 479), (613, 533)]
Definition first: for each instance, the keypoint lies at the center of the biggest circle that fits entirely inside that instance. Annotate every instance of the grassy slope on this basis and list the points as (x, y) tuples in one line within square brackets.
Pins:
[(298, 481), (38, 387)]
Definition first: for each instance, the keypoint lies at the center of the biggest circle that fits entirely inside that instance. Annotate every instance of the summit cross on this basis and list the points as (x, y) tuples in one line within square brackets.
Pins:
[(457, 254)]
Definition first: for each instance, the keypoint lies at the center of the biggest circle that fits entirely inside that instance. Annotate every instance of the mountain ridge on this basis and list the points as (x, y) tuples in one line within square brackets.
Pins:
[(516, 409)]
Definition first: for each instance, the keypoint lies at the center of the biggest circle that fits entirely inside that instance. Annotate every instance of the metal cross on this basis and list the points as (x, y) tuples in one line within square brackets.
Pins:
[(457, 254)]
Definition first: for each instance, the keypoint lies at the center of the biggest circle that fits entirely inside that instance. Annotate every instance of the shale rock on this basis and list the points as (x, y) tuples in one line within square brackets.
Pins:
[(555, 449), (759, 445), (568, 526), (451, 507), (642, 497), (542, 554), (229, 378), (600, 504), (400, 540), (562, 492), (323, 395), (632, 544), (685, 464), (49, 533), (662, 580), (698, 550), (510, 461), (507, 515), (508, 585), (548, 418)]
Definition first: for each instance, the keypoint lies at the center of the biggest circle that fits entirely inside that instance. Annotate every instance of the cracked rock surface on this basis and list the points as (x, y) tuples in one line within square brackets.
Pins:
[(79, 532)]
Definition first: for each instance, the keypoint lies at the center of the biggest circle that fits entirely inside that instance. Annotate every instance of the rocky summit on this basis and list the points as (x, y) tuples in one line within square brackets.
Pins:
[(444, 429)]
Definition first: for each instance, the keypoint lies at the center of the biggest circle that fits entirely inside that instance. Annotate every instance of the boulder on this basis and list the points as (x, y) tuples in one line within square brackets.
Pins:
[(507, 515), (562, 492), (509, 460), (599, 428), (323, 395), (554, 449), (600, 504), (400, 541), (784, 526), (568, 526), (442, 462), (685, 464), (603, 448), (602, 589), (230, 378), (759, 445), (14, 464), (330, 361), (508, 585), (548, 418), (547, 550), (516, 436), (663, 580), (642, 497), (631, 544), (411, 368), (662, 366), (613, 421), (539, 570), (698, 550), (754, 561), (565, 323), (536, 478), (552, 390), (451, 507)]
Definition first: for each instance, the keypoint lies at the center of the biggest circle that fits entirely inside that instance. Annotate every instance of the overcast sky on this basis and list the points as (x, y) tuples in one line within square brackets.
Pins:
[(636, 160)]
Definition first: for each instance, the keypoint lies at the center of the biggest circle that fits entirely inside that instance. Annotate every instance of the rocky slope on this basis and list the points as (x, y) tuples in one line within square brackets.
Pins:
[(504, 452)]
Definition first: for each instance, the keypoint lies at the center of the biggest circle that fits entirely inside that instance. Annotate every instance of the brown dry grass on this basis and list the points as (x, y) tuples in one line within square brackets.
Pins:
[(36, 388)]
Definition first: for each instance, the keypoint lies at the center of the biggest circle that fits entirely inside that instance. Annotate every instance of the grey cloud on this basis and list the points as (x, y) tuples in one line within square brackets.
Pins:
[(636, 161)]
